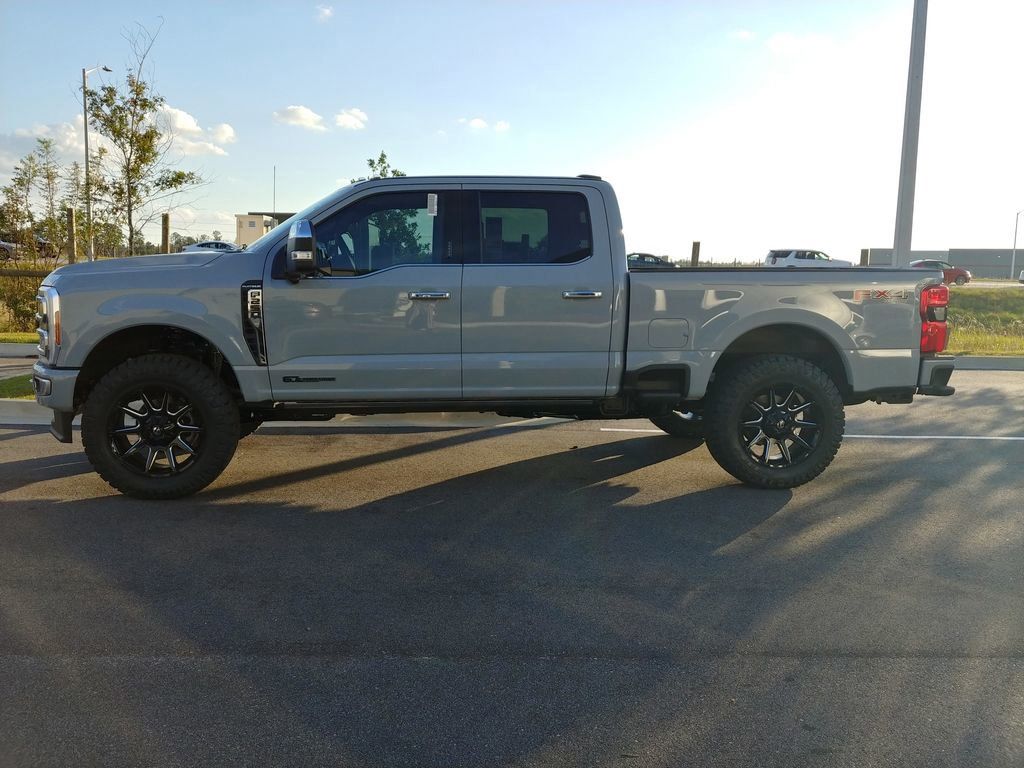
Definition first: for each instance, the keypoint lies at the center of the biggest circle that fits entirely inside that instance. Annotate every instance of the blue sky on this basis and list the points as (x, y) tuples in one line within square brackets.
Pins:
[(747, 125)]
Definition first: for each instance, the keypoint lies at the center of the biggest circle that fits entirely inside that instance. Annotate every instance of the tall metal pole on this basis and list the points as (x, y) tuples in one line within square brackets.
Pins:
[(911, 129), (274, 203), (1013, 254), (88, 194)]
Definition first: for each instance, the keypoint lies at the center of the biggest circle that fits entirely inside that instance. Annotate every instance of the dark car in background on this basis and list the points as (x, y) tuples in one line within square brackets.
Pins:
[(648, 261), (950, 273)]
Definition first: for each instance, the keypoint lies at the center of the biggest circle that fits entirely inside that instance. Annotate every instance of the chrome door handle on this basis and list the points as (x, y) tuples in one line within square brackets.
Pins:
[(581, 294), (429, 295)]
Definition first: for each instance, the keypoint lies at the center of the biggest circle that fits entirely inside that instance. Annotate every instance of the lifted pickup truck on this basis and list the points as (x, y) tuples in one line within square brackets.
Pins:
[(510, 295)]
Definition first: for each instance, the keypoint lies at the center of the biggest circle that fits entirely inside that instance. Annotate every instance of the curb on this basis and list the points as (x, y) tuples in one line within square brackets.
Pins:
[(18, 350), (977, 363)]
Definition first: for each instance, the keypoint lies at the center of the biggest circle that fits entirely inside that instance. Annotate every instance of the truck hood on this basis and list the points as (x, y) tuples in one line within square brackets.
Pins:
[(133, 263)]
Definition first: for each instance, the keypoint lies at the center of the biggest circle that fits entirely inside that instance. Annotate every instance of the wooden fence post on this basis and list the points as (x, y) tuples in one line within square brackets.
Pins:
[(165, 236)]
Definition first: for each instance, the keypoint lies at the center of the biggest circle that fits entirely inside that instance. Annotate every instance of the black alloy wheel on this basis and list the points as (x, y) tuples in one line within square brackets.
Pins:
[(155, 431), (160, 426), (774, 421), (779, 427)]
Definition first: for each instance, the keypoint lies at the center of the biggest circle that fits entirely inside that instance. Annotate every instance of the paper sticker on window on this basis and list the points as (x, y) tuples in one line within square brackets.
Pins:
[(431, 204)]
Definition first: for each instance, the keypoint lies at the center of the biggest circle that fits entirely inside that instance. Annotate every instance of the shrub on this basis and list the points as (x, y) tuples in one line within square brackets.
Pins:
[(18, 303)]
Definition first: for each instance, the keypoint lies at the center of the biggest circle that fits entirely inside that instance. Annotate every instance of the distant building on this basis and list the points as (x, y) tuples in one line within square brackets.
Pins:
[(981, 262), (249, 227)]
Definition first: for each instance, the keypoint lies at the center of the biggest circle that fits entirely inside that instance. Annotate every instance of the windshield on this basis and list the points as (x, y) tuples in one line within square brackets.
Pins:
[(305, 213)]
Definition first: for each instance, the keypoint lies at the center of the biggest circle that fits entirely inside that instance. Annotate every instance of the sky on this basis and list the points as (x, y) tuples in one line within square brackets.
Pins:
[(749, 125)]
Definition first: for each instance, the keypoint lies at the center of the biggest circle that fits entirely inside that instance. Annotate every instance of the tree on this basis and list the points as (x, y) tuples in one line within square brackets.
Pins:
[(216, 235), (134, 173), (17, 201), (53, 226), (397, 226)]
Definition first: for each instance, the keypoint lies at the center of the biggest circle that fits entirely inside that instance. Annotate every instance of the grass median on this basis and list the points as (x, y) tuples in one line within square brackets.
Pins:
[(18, 387), (18, 337), (986, 321)]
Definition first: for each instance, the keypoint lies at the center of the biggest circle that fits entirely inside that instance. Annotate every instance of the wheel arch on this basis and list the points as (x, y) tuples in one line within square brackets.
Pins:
[(793, 339), (133, 341)]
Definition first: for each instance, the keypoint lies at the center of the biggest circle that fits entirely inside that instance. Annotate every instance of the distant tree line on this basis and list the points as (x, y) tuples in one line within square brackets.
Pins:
[(132, 177)]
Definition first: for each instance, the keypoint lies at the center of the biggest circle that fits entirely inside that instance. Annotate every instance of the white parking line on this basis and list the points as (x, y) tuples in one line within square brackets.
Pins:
[(866, 437)]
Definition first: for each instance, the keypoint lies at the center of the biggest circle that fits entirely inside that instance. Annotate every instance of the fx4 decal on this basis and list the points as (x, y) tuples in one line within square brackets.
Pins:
[(875, 294)]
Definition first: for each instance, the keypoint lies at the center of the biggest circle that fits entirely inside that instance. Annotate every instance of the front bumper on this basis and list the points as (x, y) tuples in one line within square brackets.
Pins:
[(934, 376), (55, 389)]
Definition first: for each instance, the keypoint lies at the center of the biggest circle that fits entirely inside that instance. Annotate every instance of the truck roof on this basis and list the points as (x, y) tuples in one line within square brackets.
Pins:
[(453, 178)]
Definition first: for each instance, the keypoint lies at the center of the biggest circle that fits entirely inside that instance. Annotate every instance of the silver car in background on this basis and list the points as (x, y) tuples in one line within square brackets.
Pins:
[(791, 258)]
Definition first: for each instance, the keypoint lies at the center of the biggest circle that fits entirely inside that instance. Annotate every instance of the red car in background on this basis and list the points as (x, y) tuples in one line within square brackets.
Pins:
[(950, 274)]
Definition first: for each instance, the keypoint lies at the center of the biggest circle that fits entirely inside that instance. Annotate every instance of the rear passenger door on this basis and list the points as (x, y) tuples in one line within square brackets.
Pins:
[(536, 292)]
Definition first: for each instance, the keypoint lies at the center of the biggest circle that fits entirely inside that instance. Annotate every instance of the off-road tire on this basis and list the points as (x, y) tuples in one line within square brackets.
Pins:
[(686, 425), (207, 394), (732, 395)]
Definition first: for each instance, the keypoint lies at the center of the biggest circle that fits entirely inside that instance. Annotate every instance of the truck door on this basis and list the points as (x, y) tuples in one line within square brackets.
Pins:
[(536, 292), (383, 322)]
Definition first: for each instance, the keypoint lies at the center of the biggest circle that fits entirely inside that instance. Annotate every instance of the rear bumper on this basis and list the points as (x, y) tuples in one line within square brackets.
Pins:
[(934, 376), (55, 389)]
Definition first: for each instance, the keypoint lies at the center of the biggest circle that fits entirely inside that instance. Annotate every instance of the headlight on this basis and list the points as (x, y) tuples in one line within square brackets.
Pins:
[(48, 323)]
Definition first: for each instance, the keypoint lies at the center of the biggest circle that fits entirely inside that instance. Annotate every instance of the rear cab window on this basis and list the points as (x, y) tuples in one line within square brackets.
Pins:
[(527, 227)]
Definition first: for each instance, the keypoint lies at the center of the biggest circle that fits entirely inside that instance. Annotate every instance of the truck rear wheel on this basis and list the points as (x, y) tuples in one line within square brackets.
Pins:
[(160, 426), (682, 423), (774, 421)]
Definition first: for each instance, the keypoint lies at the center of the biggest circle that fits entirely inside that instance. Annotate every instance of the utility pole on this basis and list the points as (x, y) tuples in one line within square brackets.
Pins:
[(695, 254), (911, 131), (274, 198), (89, 250), (72, 237), (165, 233)]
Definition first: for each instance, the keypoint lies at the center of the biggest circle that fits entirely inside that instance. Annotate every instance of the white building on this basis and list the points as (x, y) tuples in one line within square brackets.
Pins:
[(249, 227)]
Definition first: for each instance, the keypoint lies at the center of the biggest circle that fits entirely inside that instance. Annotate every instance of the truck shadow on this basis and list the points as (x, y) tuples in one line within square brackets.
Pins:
[(509, 614)]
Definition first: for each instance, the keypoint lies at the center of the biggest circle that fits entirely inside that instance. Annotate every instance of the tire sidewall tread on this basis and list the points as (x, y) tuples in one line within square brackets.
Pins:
[(205, 391), (734, 389)]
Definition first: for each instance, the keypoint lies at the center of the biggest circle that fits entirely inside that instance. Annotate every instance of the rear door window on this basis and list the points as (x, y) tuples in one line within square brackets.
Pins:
[(527, 228)]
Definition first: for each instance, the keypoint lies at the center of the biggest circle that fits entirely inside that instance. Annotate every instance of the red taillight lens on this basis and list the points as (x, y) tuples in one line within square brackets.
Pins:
[(934, 333), (933, 336), (932, 298)]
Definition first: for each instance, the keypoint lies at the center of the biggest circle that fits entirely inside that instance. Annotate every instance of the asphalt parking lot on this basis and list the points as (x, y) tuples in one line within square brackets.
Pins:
[(525, 593)]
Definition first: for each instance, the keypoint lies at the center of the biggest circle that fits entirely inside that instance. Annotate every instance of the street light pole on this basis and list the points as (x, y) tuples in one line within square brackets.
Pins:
[(911, 129), (1013, 254), (88, 194)]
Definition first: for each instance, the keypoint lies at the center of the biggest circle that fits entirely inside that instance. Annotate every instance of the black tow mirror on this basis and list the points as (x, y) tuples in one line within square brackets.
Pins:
[(300, 256)]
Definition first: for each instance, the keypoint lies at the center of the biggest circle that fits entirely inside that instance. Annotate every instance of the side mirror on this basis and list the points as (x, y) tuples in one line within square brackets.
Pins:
[(300, 255)]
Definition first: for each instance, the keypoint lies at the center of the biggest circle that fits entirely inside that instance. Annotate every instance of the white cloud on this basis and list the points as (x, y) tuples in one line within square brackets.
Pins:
[(222, 133), (180, 122), (66, 136), (352, 119), (189, 136), (324, 13), (300, 116), (478, 124)]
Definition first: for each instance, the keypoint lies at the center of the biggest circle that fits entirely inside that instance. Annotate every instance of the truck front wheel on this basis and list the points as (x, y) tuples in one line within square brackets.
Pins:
[(774, 421), (160, 426)]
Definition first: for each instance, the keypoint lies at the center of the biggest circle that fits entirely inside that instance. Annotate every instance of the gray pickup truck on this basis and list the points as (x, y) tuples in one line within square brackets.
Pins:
[(510, 295)]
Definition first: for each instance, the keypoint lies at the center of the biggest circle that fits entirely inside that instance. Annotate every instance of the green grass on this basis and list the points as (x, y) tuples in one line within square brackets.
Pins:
[(19, 387), (17, 337), (986, 321)]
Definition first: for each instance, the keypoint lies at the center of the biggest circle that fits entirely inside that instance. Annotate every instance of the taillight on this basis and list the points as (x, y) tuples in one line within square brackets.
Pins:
[(934, 333)]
